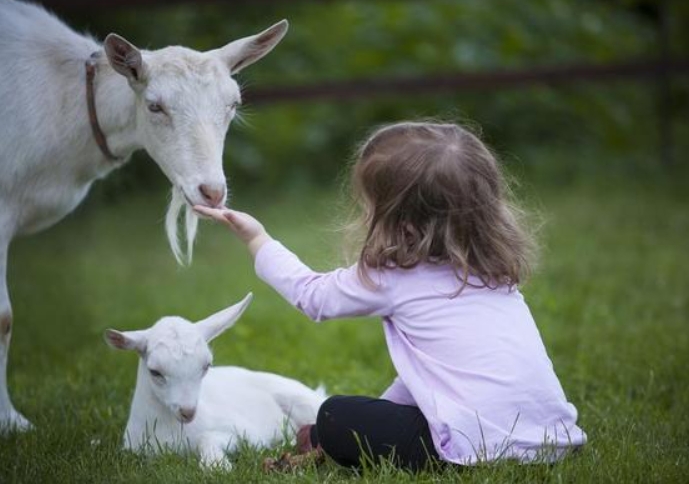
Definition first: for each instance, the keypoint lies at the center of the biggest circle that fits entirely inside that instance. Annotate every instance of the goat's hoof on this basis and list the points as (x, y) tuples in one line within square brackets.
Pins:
[(14, 421)]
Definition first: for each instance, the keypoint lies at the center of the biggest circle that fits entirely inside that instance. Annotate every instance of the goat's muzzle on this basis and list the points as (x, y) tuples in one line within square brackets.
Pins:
[(213, 194), (186, 415)]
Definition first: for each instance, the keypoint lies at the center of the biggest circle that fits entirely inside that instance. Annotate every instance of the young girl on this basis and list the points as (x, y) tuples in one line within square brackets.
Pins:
[(440, 264)]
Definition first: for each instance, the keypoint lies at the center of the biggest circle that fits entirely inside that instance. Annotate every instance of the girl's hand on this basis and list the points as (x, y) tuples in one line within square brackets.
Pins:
[(247, 228)]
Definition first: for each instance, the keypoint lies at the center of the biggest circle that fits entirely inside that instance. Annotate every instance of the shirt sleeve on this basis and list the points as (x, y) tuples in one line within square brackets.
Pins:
[(321, 296), (398, 393)]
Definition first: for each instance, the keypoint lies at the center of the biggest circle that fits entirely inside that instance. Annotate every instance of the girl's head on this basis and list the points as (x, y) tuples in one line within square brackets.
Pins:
[(434, 193)]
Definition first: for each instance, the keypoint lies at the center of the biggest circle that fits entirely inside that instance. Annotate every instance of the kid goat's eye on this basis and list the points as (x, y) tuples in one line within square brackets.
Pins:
[(206, 367), (156, 374), (155, 108)]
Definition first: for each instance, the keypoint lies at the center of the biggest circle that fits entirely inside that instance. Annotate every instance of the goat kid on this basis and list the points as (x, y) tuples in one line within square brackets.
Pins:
[(176, 103), (183, 404)]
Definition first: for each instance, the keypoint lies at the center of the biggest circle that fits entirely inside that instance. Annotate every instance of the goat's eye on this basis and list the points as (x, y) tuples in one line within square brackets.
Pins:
[(206, 367), (156, 374), (233, 106), (155, 107)]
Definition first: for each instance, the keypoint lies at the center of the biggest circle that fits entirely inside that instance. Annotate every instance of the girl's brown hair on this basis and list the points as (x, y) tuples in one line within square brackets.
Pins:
[(432, 192)]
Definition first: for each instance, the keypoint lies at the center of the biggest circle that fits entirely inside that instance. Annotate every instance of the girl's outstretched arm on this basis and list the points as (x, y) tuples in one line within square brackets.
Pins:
[(321, 296)]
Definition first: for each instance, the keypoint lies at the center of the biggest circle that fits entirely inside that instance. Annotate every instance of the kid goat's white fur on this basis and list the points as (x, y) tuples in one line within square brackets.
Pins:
[(181, 403), (176, 103)]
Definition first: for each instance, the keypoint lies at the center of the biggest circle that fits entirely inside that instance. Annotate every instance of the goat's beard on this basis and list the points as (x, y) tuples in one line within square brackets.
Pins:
[(191, 222)]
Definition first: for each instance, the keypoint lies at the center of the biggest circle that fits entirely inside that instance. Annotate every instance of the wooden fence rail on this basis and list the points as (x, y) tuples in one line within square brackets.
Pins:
[(462, 81)]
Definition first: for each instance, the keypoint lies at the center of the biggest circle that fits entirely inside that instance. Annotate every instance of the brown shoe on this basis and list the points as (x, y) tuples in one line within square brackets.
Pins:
[(304, 444)]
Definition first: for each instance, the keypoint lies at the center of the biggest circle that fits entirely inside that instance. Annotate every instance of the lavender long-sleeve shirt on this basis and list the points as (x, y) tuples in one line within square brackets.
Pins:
[(474, 364)]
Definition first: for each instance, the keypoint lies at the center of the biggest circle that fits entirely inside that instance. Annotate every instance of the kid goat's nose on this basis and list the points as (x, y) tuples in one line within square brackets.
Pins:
[(187, 414), (212, 194)]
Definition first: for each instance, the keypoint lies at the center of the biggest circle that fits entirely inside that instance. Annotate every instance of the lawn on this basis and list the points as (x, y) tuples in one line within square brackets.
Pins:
[(611, 298)]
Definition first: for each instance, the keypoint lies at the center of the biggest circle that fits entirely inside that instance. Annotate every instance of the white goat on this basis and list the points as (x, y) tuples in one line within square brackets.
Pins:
[(176, 103), (181, 403)]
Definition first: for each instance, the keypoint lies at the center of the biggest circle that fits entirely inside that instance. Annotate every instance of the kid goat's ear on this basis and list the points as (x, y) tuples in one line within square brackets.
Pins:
[(244, 52), (213, 325), (126, 340), (125, 58)]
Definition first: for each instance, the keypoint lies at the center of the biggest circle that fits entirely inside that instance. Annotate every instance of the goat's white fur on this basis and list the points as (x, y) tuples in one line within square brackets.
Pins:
[(181, 408), (177, 203), (48, 155)]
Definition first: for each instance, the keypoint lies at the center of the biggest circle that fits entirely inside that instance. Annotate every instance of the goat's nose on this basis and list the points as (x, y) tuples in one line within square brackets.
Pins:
[(213, 194), (187, 414)]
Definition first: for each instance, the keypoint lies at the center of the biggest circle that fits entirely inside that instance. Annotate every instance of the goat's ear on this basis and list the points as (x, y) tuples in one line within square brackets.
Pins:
[(213, 325), (126, 340), (244, 52), (125, 58)]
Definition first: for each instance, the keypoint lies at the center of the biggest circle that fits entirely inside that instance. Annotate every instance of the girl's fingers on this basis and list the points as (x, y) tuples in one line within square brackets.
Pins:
[(242, 224), (203, 210), (225, 216), (234, 217), (215, 213)]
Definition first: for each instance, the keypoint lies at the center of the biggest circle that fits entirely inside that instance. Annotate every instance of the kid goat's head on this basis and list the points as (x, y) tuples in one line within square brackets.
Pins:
[(185, 101), (174, 356)]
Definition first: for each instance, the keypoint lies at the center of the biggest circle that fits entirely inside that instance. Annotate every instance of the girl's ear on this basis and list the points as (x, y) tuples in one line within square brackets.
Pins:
[(213, 325)]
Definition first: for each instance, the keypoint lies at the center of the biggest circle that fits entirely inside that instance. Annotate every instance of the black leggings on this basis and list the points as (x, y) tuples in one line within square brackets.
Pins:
[(351, 429)]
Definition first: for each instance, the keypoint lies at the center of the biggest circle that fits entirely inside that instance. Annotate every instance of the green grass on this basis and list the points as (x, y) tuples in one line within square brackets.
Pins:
[(610, 298)]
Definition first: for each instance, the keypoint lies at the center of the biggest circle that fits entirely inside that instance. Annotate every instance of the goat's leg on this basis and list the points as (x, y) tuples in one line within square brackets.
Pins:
[(9, 417), (212, 452)]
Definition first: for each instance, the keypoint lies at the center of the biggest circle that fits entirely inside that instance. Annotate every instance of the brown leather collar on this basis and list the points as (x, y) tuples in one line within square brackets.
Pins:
[(91, 103)]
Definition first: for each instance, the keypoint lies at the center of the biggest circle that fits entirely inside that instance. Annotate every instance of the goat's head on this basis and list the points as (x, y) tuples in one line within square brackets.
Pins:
[(185, 101), (175, 356)]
